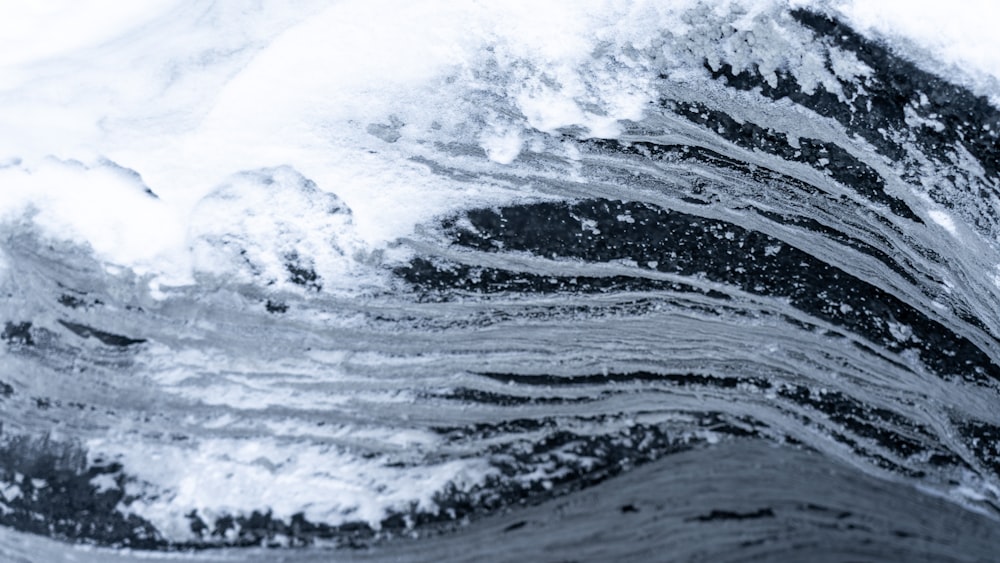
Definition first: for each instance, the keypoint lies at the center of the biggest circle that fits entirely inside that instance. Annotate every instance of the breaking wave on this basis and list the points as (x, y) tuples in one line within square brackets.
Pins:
[(722, 282)]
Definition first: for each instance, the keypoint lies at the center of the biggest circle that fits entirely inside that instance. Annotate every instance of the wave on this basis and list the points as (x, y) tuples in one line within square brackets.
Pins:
[(681, 265)]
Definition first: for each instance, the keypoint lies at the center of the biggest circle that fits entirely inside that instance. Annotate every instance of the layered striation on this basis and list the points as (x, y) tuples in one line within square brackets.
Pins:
[(685, 264)]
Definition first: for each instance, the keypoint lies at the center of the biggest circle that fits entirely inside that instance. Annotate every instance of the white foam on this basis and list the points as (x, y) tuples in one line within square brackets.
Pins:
[(943, 219), (47, 28), (232, 477), (963, 34), (99, 203), (239, 119), (190, 93), (260, 223)]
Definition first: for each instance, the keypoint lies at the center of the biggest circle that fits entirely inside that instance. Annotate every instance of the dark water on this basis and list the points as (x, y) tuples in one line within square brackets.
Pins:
[(760, 324)]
